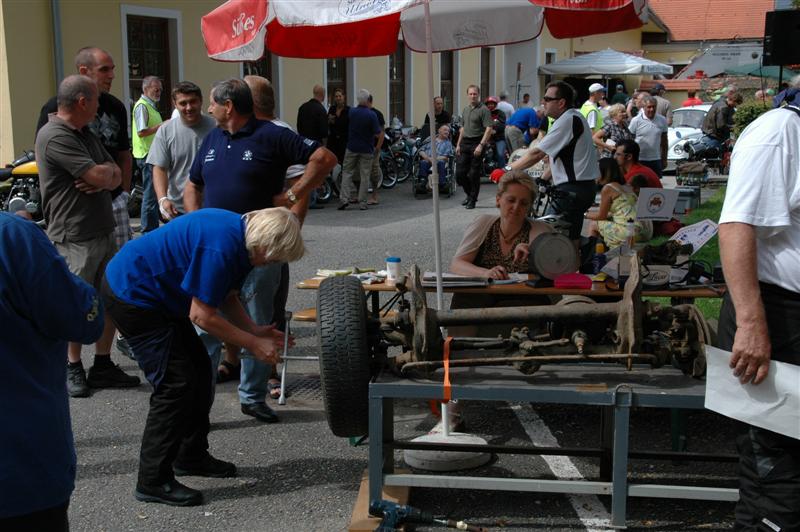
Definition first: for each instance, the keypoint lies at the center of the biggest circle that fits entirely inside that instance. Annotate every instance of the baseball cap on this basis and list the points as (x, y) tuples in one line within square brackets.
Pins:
[(620, 86), (594, 87)]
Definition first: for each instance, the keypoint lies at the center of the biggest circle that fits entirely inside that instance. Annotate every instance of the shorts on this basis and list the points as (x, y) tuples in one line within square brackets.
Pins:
[(122, 222), (88, 258), (573, 206)]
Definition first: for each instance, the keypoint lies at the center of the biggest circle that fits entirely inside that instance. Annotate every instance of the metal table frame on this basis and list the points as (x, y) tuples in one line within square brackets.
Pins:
[(607, 386)]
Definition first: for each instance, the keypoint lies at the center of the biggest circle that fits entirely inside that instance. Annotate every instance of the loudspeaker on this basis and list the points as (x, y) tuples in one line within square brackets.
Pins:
[(782, 38)]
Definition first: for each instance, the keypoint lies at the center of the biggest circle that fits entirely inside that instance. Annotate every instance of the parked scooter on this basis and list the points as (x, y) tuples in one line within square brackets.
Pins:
[(19, 187)]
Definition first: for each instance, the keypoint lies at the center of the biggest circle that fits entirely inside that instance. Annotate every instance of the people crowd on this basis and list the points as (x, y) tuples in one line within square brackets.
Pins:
[(225, 197)]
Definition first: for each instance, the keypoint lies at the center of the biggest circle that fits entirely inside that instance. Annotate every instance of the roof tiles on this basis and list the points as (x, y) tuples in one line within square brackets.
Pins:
[(703, 20)]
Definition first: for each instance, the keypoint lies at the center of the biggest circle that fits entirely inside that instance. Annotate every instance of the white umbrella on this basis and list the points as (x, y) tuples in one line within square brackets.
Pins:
[(606, 63)]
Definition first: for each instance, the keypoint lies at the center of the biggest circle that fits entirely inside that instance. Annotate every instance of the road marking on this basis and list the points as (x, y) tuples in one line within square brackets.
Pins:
[(590, 510)]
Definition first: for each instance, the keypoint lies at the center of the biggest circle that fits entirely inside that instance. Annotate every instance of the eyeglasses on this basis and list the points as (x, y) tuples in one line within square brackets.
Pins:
[(549, 98), (620, 154)]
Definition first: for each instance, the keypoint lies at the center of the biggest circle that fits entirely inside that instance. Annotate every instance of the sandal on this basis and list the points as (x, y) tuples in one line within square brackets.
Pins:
[(228, 372), (274, 388)]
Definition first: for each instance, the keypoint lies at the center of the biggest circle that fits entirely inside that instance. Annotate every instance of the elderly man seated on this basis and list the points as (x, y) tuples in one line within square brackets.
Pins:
[(444, 150)]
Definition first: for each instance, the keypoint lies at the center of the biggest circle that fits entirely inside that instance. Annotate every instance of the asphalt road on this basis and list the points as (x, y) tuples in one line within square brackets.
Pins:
[(296, 476)]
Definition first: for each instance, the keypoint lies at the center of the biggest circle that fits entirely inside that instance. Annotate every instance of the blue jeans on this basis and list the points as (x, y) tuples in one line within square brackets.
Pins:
[(425, 169), (500, 152), (258, 295), (149, 214)]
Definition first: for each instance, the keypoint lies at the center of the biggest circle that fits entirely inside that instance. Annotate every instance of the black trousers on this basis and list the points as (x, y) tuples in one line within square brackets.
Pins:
[(48, 520), (769, 463), (469, 167), (177, 424)]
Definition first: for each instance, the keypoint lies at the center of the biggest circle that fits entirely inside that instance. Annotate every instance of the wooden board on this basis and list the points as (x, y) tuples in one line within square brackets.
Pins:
[(361, 521)]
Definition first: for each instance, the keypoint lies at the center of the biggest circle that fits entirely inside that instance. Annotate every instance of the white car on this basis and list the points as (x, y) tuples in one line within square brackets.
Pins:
[(686, 125)]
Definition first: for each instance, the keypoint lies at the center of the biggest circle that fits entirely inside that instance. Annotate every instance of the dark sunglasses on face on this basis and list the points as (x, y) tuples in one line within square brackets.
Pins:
[(549, 98)]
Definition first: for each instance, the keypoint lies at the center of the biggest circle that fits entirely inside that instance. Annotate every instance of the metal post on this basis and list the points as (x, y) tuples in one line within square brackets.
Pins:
[(619, 479)]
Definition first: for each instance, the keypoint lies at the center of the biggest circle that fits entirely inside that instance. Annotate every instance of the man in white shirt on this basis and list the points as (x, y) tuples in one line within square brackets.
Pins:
[(573, 157), (175, 146), (650, 132), (759, 240), (591, 108), (504, 106)]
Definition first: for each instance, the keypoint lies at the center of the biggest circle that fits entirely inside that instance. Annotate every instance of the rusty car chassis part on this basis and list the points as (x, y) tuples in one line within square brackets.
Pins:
[(627, 331)]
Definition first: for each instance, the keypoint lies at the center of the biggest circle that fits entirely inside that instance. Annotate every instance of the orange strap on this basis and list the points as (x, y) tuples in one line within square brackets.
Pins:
[(446, 358)]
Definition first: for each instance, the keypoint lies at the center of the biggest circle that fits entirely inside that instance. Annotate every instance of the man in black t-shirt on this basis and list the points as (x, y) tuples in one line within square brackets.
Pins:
[(441, 116)]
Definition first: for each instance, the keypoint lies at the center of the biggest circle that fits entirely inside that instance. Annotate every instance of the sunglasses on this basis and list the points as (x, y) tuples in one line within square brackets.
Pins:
[(550, 98)]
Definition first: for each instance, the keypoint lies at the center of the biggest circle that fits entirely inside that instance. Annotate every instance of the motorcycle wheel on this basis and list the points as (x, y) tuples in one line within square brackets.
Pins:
[(324, 192), (404, 166), (389, 171)]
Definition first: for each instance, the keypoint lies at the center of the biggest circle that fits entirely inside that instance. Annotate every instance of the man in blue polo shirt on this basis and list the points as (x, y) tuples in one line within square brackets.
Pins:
[(156, 289), (241, 166), (361, 141), (524, 120)]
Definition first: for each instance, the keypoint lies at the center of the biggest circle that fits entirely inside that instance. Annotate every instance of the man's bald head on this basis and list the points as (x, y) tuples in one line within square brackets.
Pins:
[(263, 97), (319, 93)]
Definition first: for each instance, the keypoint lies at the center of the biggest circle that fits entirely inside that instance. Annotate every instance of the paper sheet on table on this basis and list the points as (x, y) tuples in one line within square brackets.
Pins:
[(696, 234), (773, 405)]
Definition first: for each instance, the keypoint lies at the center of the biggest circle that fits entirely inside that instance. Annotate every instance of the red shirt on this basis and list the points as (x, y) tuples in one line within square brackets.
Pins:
[(689, 102), (652, 179)]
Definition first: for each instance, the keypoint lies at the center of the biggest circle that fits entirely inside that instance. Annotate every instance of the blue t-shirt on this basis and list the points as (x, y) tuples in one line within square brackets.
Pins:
[(363, 128), (242, 172), (524, 118), (201, 254), (42, 306)]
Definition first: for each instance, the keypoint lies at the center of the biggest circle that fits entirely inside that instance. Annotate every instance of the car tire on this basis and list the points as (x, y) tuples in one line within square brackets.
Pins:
[(345, 360)]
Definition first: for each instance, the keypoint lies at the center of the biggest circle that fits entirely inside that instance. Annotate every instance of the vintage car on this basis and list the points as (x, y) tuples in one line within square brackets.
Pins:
[(686, 125)]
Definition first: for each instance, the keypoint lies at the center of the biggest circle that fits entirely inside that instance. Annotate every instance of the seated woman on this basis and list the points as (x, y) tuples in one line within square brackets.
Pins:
[(496, 245), (617, 206)]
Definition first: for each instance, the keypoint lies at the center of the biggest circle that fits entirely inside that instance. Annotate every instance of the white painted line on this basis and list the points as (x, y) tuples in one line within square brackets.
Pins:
[(590, 510)]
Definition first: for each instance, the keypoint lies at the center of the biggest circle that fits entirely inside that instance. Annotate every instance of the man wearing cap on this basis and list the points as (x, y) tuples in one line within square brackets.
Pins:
[(590, 108), (663, 107), (620, 96)]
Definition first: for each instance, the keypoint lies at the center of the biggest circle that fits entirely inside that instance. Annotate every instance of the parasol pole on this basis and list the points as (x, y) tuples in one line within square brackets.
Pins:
[(437, 230)]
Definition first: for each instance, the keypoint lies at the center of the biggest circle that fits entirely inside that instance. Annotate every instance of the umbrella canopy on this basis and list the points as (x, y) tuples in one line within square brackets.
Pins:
[(755, 69), (242, 30), (606, 63)]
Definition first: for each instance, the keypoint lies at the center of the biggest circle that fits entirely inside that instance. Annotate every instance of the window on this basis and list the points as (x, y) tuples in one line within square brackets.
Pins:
[(262, 67), (397, 83), (148, 55), (486, 54), (337, 76), (549, 57), (446, 65)]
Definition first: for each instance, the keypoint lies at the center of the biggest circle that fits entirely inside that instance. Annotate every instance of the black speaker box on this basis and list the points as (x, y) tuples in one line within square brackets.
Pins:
[(782, 37)]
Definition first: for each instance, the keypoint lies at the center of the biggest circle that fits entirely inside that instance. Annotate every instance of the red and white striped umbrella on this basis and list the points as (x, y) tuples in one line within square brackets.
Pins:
[(242, 30)]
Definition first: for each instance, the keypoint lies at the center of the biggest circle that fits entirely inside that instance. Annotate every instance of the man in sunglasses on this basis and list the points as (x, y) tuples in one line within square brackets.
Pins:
[(573, 158)]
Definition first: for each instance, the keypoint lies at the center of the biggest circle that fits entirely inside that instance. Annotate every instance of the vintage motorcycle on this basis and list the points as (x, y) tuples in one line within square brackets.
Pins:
[(19, 187)]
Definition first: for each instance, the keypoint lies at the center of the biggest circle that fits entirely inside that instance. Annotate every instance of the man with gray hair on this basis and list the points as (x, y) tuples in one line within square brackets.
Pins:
[(76, 174), (364, 131), (146, 121), (650, 132)]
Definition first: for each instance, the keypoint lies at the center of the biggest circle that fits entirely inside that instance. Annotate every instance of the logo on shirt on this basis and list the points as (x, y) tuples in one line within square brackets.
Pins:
[(247, 155), (308, 142), (210, 156)]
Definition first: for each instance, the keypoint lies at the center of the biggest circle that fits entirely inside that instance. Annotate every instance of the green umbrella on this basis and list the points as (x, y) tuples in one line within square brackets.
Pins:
[(755, 69)]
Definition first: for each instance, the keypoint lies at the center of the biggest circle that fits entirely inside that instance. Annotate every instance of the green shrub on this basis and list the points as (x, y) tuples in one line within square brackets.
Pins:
[(746, 113)]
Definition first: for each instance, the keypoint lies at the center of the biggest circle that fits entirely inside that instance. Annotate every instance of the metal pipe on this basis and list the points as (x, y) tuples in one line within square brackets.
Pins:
[(58, 47), (524, 314), (507, 361)]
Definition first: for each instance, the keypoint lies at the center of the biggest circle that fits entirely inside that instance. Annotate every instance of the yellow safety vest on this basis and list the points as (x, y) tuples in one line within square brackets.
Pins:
[(589, 107), (141, 145)]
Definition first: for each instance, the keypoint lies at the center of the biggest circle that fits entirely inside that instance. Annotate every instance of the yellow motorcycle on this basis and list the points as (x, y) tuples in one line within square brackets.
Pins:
[(19, 188)]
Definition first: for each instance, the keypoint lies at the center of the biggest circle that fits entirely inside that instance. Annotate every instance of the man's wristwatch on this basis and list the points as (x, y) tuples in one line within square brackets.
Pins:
[(291, 197), (507, 168)]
